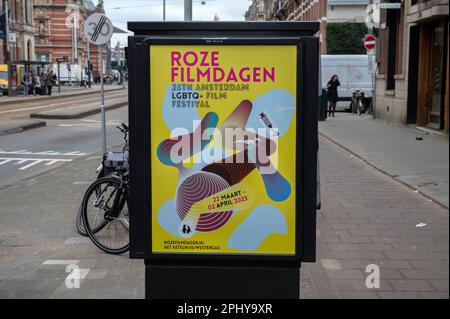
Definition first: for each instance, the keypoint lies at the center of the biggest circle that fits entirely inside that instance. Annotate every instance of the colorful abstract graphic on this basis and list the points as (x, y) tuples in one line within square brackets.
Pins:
[(216, 178), (222, 139)]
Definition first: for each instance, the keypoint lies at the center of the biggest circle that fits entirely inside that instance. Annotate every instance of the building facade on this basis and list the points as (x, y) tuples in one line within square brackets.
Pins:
[(56, 35), (323, 11), (118, 59), (413, 76), (21, 46), (347, 11), (290, 10)]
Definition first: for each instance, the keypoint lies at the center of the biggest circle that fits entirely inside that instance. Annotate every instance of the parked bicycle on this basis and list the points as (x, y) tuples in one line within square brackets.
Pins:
[(105, 212), (112, 179), (359, 103)]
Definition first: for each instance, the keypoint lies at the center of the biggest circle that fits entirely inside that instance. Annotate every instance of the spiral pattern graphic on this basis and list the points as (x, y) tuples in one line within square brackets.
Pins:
[(195, 188)]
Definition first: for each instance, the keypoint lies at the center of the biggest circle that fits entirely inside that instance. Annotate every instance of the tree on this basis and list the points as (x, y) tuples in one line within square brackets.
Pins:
[(346, 38)]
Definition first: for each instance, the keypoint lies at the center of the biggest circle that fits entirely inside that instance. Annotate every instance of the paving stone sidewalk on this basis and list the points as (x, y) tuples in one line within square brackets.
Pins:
[(367, 218), (416, 158)]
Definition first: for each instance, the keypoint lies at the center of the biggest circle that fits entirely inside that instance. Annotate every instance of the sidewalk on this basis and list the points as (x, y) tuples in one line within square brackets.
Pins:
[(65, 91), (38, 239), (367, 218), (422, 163), (14, 120)]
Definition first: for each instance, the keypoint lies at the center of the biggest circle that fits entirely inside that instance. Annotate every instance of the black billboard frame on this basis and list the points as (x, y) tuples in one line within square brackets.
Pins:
[(307, 92)]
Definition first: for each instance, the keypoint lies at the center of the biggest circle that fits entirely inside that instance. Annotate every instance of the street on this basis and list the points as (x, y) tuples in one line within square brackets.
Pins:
[(61, 141), (255, 150), (367, 217)]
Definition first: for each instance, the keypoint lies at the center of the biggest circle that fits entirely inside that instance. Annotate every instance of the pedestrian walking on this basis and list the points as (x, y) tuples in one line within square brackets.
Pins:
[(28, 84), (36, 85), (24, 85), (42, 89), (332, 94), (54, 78), (48, 82)]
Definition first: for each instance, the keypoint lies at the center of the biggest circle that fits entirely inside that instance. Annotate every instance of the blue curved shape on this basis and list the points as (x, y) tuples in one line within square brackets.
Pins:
[(175, 117), (280, 107), (168, 218), (262, 221), (277, 187)]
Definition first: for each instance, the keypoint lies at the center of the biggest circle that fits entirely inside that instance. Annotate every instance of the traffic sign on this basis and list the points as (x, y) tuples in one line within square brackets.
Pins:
[(12, 37), (396, 5), (369, 42), (98, 29), (62, 60)]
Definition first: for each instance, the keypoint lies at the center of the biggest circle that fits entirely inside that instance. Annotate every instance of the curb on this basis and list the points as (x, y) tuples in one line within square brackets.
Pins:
[(23, 127), (76, 115), (394, 177), (54, 97)]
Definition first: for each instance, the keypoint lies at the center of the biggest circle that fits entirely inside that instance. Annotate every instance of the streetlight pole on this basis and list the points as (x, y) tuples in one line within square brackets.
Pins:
[(164, 10), (102, 105), (372, 58), (187, 10), (8, 51)]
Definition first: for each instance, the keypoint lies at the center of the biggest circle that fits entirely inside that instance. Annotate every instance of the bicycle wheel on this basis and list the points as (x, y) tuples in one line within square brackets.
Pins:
[(79, 219), (107, 228), (79, 222)]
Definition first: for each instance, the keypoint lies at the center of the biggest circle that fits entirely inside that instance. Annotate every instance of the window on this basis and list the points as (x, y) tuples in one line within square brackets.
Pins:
[(393, 23)]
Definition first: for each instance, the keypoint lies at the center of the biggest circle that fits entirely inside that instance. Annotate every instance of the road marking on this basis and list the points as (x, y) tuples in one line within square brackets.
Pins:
[(116, 95), (77, 240), (99, 122), (4, 162), (60, 262), (46, 153), (331, 264), (79, 125), (30, 165), (20, 161), (92, 124), (81, 183)]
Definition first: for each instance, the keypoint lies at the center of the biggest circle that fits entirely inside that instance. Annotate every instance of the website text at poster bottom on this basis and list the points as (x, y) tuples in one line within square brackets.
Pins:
[(188, 245)]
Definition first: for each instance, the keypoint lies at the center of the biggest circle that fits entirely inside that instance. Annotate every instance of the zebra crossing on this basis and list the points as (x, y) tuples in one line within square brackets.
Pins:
[(24, 159)]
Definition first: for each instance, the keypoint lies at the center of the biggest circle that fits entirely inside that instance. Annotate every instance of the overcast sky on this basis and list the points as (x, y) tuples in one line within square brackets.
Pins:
[(120, 11)]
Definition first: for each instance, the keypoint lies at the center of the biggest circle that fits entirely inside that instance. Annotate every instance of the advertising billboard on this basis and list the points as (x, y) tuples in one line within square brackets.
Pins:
[(223, 149)]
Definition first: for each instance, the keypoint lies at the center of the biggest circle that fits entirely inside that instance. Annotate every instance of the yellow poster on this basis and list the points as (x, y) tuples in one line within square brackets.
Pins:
[(223, 136)]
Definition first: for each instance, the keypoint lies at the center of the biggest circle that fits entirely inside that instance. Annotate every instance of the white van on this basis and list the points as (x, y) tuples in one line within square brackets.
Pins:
[(353, 73)]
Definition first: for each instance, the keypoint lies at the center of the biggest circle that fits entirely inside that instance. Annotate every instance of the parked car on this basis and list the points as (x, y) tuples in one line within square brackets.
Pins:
[(353, 72)]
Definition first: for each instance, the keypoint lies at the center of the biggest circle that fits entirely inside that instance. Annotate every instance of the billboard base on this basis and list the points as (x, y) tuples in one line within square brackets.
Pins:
[(198, 282)]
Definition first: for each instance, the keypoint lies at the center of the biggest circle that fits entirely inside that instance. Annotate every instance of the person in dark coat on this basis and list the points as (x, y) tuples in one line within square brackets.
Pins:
[(332, 94)]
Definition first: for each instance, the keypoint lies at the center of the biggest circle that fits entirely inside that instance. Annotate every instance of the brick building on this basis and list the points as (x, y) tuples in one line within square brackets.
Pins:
[(413, 74), (56, 36), (323, 11), (21, 29), (290, 10)]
